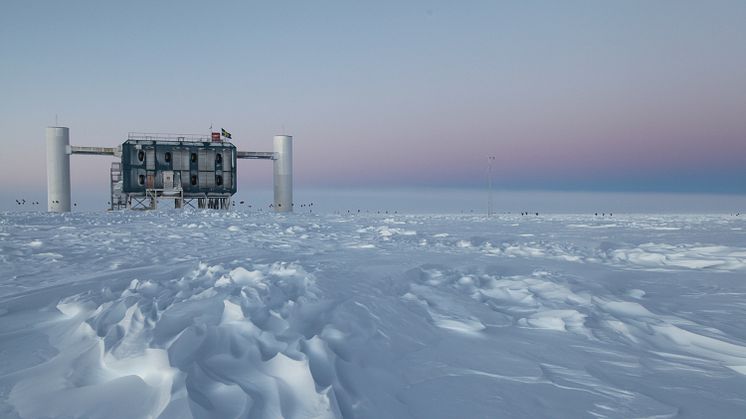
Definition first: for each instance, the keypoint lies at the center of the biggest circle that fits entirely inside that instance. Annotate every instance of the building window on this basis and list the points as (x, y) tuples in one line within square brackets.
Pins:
[(218, 158), (194, 180), (140, 155), (194, 157), (167, 157), (141, 180), (219, 180)]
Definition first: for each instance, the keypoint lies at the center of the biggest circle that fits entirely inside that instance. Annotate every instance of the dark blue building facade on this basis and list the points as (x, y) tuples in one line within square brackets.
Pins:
[(198, 169)]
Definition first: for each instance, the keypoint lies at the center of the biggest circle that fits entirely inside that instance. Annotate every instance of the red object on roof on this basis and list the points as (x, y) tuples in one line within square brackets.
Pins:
[(216, 137)]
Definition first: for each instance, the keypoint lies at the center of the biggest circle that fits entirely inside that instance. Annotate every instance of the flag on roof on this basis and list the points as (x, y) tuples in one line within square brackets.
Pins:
[(225, 133)]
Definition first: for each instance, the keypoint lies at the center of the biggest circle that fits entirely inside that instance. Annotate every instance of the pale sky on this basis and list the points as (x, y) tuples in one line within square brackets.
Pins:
[(571, 95)]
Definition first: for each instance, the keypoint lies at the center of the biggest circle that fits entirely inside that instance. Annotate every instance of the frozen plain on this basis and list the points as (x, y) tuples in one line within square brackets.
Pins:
[(227, 314)]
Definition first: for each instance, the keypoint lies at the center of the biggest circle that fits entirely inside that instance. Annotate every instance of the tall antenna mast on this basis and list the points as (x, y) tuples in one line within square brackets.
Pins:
[(490, 201)]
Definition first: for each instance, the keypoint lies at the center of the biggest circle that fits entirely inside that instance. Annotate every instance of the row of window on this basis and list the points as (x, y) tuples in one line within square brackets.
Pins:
[(167, 157), (192, 180)]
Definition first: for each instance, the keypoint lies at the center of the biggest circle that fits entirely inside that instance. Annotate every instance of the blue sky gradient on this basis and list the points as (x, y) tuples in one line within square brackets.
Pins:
[(576, 95)]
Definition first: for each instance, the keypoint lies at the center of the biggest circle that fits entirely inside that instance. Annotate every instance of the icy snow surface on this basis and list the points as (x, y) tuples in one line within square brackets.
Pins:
[(225, 314)]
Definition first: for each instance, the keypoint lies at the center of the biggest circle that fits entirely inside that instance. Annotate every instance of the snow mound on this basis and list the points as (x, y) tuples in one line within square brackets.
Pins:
[(684, 256), (184, 345)]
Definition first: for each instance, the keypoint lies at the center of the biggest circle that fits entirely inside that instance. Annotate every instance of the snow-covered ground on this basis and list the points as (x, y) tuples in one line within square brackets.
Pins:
[(227, 314)]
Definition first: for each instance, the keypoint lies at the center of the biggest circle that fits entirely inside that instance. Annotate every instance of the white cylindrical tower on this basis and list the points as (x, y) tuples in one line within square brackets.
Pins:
[(283, 173), (58, 169)]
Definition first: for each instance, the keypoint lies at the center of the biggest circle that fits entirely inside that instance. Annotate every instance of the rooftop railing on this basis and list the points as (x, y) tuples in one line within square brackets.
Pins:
[(152, 136)]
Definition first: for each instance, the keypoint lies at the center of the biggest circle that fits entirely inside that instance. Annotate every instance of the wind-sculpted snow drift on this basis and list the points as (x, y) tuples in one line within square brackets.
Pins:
[(229, 315)]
